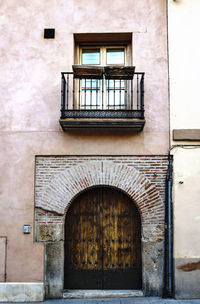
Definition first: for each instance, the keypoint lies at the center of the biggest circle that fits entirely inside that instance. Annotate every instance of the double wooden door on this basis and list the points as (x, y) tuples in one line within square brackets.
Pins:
[(103, 241)]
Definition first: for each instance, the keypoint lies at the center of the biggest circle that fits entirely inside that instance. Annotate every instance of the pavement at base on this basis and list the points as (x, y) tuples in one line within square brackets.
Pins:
[(143, 300)]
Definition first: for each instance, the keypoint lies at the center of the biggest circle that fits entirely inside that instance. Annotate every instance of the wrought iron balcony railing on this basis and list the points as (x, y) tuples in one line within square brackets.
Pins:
[(91, 99)]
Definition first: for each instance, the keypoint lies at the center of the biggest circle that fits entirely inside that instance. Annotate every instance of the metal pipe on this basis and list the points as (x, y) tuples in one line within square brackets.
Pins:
[(169, 240), (168, 291), (6, 250)]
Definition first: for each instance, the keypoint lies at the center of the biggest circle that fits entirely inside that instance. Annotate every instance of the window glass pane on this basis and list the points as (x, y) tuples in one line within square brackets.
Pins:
[(115, 90), (90, 93), (91, 83), (117, 84), (115, 56), (90, 99), (90, 56), (115, 98)]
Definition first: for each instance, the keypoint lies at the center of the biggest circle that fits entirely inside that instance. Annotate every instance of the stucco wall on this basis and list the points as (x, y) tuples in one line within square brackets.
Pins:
[(186, 193), (184, 49), (30, 101), (31, 69)]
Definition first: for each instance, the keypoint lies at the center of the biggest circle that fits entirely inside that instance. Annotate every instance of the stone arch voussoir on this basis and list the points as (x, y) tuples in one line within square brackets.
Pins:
[(59, 193)]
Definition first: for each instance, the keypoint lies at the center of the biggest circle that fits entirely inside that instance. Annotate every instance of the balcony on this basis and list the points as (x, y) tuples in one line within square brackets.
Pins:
[(102, 97)]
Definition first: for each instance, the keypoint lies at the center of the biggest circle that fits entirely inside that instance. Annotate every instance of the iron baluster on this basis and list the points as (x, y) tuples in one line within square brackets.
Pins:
[(142, 95), (79, 93), (126, 94), (102, 92), (96, 94), (90, 93), (108, 93), (85, 95), (132, 94), (114, 94), (137, 92), (63, 87), (73, 107), (120, 93), (67, 91)]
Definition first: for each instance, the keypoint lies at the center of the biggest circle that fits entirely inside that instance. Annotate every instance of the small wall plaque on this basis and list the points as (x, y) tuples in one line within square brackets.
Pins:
[(27, 229)]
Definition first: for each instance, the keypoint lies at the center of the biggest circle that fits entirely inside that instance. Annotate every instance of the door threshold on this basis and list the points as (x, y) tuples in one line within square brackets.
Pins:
[(97, 293)]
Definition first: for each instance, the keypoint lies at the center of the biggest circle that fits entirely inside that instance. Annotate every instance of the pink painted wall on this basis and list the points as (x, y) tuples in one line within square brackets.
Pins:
[(30, 101)]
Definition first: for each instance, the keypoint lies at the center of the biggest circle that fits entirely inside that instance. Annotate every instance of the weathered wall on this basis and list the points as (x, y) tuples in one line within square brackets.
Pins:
[(31, 69), (59, 179), (186, 193), (30, 101), (184, 49)]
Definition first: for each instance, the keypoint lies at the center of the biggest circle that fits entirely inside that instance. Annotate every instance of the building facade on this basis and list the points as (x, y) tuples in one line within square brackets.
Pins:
[(83, 192), (183, 24)]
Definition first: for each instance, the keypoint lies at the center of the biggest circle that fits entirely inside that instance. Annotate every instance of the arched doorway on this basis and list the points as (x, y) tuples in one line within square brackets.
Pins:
[(103, 241)]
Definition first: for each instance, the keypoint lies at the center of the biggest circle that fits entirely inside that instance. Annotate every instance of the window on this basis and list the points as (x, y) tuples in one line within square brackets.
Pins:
[(93, 94), (90, 56), (103, 89), (103, 55), (115, 56)]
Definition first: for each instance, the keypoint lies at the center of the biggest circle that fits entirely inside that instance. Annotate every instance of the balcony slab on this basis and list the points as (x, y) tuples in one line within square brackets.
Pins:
[(73, 123)]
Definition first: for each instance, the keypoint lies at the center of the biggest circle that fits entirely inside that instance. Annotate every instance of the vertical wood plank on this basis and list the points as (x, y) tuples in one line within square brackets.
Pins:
[(103, 240)]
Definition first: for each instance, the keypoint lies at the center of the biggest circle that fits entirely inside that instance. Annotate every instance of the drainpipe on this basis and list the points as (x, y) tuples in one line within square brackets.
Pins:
[(168, 291)]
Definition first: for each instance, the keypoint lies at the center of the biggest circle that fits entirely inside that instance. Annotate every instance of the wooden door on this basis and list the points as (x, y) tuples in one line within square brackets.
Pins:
[(103, 241)]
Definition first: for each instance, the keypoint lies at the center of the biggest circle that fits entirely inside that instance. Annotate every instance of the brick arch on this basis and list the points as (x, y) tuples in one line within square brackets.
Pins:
[(59, 193)]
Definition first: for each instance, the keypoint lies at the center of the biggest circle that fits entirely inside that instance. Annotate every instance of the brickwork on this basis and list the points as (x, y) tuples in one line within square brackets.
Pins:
[(61, 178)]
